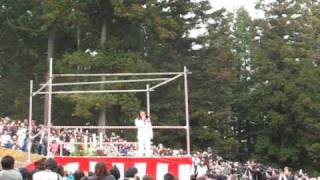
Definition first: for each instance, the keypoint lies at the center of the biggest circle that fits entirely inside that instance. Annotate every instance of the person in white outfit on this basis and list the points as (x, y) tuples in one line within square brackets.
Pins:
[(49, 173), (145, 134), (22, 135)]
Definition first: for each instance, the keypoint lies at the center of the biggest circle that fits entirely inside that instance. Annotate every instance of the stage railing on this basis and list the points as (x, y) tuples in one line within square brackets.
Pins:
[(47, 89)]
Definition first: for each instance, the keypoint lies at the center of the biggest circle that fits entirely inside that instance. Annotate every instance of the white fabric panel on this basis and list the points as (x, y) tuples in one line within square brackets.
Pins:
[(142, 168), (184, 171), (120, 166), (71, 167), (92, 164), (162, 169)]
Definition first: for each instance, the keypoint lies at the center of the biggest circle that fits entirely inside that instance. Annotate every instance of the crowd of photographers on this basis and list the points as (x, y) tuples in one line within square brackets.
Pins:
[(65, 142), (209, 166)]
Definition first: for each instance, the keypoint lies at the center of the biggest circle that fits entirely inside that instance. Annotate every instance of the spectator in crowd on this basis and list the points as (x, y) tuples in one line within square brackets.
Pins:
[(25, 173), (169, 176), (202, 169), (101, 172), (115, 172), (288, 174), (6, 140), (131, 173), (8, 172), (13, 134), (49, 173), (54, 147), (78, 175), (147, 177), (22, 137), (274, 174)]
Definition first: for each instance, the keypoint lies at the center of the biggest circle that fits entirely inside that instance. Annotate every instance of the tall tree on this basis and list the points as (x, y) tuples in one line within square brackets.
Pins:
[(107, 53), (213, 77), (243, 42), (286, 108), (39, 19)]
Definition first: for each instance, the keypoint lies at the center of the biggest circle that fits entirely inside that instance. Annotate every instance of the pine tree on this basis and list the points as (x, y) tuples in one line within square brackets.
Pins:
[(243, 41), (285, 106)]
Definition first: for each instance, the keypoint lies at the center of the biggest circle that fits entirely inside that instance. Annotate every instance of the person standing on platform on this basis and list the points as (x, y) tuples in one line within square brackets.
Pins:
[(145, 134)]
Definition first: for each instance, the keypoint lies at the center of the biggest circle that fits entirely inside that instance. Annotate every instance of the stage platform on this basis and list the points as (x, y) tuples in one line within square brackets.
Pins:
[(153, 166)]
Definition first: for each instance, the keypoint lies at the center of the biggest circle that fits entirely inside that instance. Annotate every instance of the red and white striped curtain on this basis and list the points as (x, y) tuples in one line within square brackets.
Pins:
[(155, 167)]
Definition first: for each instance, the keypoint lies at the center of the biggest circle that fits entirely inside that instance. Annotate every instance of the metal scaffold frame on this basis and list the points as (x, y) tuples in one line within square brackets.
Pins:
[(160, 82)]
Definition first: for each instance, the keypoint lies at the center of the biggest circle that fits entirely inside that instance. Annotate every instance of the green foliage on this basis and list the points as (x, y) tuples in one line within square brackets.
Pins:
[(284, 89), (254, 85), (109, 59), (80, 151)]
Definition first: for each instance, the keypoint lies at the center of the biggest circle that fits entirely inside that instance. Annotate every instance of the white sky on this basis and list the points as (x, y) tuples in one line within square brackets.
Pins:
[(232, 5)]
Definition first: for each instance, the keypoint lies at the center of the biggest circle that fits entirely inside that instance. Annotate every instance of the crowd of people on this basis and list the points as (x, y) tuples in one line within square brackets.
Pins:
[(209, 166), (48, 169), (65, 142)]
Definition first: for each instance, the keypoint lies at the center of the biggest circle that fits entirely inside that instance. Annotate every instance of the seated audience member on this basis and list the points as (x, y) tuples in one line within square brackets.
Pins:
[(6, 140), (8, 172), (49, 173), (101, 172)]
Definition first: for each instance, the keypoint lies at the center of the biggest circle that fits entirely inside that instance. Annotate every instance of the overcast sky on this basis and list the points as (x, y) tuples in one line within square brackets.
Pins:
[(232, 5)]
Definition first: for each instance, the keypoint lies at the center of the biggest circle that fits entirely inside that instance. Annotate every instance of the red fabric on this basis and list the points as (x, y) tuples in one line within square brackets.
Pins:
[(151, 163), (151, 169), (174, 168)]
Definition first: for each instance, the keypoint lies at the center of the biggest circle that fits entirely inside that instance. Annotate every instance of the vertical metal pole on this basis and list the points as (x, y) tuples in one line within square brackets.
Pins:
[(148, 99), (49, 106), (100, 140), (186, 100), (30, 121), (61, 147)]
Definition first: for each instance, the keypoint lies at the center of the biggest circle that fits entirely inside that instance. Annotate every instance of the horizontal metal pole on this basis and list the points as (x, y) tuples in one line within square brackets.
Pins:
[(95, 91), (117, 127), (165, 82), (116, 143), (41, 88), (118, 74), (109, 82)]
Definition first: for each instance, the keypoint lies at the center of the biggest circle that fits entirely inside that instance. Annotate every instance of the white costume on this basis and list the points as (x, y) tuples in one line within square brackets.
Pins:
[(145, 135), (5, 139), (22, 135)]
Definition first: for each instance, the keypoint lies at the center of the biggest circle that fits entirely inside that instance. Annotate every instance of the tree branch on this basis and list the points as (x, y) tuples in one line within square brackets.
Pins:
[(19, 27)]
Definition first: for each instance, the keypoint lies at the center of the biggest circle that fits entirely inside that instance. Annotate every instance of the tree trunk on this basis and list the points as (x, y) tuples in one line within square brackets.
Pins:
[(103, 38), (78, 37), (50, 52)]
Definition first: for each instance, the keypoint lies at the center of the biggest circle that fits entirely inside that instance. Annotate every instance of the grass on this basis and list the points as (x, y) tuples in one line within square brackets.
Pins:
[(21, 158)]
